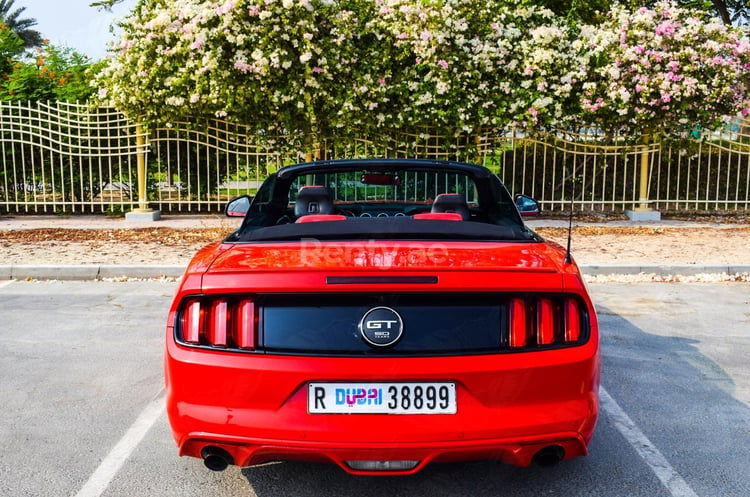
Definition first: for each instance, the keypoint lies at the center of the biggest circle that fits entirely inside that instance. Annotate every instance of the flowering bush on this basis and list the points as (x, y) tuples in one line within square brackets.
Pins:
[(315, 64), (664, 66), (312, 66), (464, 64), (278, 63)]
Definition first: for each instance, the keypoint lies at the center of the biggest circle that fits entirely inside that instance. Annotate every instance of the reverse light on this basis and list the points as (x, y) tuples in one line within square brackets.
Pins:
[(405, 465), (219, 322)]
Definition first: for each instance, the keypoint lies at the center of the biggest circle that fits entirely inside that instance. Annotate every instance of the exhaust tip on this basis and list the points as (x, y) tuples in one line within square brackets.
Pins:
[(216, 458), (549, 456)]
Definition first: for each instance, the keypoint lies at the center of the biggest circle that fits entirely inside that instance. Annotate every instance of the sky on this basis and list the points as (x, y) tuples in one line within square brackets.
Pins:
[(73, 23)]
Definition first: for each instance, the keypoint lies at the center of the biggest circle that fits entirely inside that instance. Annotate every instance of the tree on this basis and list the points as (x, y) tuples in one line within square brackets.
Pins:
[(735, 12), (576, 10), (731, 12), (11, 47), (60, 74), (22, 27), (105, 4)]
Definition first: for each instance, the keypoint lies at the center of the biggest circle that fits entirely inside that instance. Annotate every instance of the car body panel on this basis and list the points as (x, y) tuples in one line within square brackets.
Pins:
[(250, 405)]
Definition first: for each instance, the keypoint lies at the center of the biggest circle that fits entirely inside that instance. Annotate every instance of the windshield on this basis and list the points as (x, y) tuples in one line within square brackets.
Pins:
[(406, 187)]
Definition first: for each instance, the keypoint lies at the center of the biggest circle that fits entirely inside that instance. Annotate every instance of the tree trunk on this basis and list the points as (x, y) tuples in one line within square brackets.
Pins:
[(721, 8)]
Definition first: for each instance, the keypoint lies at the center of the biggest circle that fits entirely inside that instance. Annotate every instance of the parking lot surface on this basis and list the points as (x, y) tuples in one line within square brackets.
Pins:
[(82, 394)]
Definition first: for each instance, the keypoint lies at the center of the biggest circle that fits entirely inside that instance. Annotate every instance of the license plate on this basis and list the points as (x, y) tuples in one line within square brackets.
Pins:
[(381, 398)]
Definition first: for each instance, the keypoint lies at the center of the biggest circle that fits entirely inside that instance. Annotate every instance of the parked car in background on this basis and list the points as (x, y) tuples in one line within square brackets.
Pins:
[(382, 315)]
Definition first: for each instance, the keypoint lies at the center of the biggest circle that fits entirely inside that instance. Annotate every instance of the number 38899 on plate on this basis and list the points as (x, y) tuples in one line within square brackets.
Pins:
[(382, 398)]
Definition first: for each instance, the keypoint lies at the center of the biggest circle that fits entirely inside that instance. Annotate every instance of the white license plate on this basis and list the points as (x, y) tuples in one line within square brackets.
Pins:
[(381, 398)]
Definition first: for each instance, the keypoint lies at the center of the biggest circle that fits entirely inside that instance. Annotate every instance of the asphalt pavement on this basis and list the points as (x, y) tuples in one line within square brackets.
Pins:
[(125, 270), (81, 381)]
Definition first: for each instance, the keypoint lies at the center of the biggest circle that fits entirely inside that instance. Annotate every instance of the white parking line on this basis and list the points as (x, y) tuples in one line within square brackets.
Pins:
[(672, 480), (101, 478), (5, 283)]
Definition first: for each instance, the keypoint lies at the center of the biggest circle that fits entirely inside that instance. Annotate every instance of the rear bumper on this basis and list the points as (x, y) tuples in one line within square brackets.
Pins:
[(516, 452), (509, 407)]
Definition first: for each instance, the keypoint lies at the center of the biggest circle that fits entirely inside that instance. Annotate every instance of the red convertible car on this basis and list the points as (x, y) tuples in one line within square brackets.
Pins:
[(382, 315)]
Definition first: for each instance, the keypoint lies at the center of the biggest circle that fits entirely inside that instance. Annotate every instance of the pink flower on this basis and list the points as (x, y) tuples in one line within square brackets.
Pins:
[(664, 29), (225, 8), (443, 64), (242, 66)]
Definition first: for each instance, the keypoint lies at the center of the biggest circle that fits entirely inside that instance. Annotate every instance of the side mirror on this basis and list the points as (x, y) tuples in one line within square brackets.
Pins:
[(238, 207), (527, 206)]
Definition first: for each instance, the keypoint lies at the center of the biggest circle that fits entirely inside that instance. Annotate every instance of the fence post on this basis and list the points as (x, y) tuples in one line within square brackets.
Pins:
[(143, 212), (643, 212)]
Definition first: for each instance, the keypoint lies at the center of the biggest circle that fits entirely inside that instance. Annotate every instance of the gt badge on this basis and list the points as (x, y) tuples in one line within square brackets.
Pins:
[(381, 327)]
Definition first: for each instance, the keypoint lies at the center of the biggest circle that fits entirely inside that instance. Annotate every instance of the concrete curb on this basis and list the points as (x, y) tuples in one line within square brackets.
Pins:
[(88, 271), (98, 272), (663, 270)]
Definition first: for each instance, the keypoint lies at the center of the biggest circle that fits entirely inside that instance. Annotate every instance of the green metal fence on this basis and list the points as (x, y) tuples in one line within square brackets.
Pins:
[(63, 157)]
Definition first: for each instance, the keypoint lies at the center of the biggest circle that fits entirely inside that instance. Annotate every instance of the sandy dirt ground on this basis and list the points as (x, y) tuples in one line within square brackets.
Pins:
[(714, 244)]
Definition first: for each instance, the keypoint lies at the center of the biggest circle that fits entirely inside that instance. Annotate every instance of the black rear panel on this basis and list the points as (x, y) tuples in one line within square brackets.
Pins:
[(437, 323)]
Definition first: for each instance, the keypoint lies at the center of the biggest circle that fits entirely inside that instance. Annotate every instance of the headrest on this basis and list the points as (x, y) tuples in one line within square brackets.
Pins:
[(313, 200), (452, 202)]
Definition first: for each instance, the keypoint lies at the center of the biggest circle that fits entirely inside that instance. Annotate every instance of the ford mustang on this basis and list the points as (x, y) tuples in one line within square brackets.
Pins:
[(382, 315)]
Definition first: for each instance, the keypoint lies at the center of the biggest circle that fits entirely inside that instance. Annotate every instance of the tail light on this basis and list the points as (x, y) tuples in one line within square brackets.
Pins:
[(220, 322), (545, 321), (518, 326)]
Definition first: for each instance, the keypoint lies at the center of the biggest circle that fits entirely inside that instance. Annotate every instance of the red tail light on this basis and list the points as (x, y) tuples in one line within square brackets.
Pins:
[(217, 333), (246, 324), (192, 322), (517, 323), (547, 321), (218, 322), (572, 321)]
